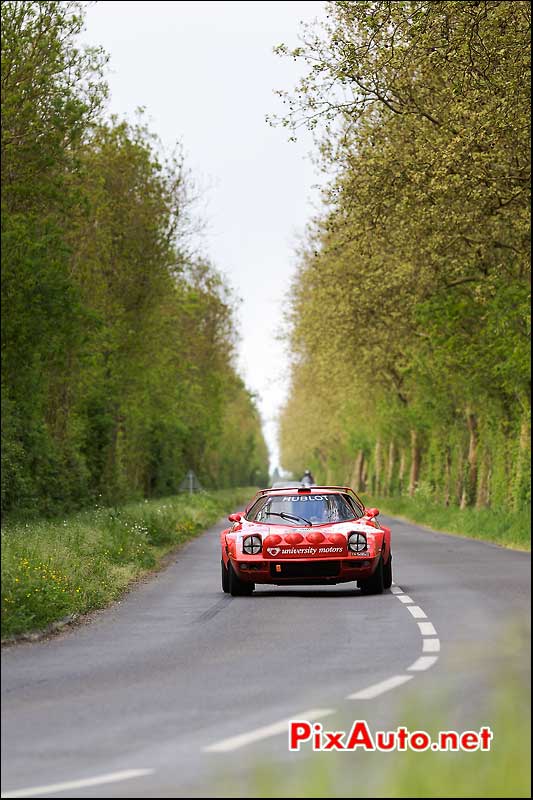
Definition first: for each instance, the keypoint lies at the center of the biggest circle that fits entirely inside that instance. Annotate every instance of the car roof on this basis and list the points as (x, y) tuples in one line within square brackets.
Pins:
[(302, 489), (306, 490)]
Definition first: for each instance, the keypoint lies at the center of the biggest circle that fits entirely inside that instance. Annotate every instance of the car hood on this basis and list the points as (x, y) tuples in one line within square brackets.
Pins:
[(319, 541)]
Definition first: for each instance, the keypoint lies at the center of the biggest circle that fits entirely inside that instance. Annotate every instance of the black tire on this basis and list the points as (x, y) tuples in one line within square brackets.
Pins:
[(225, 577), (387, 573), (374, 584), (238, 588)]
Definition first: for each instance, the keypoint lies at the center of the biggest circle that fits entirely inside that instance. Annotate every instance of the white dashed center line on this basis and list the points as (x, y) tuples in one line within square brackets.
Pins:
[(379, 688), (404, 598), (427, 629), (423, 663), (431, 645), (234, 742), (417, 612), (54, 788)]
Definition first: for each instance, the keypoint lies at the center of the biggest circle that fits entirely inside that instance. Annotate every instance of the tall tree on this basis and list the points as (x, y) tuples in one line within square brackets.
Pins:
[(420, 266), (117, 344)]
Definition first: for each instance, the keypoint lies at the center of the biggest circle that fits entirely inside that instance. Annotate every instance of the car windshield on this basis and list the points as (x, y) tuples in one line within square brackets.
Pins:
[(304, 509)]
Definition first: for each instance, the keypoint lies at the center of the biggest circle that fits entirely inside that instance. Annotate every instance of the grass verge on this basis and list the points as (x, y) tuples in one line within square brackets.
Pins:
[(506, 528), (55, 568)]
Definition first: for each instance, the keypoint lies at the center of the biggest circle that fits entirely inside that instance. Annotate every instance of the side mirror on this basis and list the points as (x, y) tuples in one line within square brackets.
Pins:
[(371, 512), (235, 517)]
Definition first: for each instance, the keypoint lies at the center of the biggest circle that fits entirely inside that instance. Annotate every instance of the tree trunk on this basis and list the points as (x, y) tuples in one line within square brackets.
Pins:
[(357, 472), (482, 494), (364, 475), (377, 468), (523, 466), (401, 473), (470, 484), (415, 463), (447, 475), (390, 467), (459, 482)]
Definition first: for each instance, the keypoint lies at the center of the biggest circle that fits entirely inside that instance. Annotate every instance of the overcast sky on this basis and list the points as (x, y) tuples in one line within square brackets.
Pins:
[(206, 73)]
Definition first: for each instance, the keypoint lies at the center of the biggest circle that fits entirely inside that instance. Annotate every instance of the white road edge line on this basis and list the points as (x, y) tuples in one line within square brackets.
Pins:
[(53, 788), (431, 645), (417, 612), (404, 598), (396, 590), (427, 629), (379, 688), (423, 663), (234, 742)]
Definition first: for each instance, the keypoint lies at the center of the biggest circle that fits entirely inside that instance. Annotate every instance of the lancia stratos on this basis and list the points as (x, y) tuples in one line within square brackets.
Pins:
[(306, 535)]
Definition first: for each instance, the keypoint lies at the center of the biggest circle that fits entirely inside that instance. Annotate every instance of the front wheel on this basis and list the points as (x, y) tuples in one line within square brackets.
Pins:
[(238, 588), (225, 577), (387, 573), (374, 584)]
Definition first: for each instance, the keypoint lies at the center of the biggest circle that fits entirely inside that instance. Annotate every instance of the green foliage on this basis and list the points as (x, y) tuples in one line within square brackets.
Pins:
[(410, 323), (51, 569), (117, 343)]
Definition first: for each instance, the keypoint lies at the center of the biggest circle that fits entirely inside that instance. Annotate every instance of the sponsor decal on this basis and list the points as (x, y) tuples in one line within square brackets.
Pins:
[(294, 498)]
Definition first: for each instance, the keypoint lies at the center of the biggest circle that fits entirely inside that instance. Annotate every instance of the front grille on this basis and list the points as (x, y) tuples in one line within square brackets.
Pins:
[(305, 569)]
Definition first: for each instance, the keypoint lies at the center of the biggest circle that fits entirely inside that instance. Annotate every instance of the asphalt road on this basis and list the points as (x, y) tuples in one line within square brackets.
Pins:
[(181, 681)]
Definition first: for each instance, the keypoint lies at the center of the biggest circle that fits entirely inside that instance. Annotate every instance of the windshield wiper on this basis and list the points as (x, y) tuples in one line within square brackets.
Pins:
[(288, 516)]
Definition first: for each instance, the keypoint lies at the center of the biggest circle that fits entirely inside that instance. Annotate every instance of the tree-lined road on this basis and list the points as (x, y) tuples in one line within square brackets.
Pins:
[(177, 670)]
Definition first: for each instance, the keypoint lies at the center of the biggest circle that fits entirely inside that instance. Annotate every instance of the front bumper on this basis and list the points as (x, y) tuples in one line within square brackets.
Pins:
[(304, 571)]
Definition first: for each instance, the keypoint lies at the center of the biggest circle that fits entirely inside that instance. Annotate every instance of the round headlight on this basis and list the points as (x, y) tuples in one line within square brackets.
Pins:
[(252, 545), (357, 542)]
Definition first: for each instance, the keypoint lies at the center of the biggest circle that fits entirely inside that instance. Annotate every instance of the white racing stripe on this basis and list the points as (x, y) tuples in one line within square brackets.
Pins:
[(423, 663), (431, 645), (427, 629), (417, 612), (234, 742), (379, 688), (54, 788)]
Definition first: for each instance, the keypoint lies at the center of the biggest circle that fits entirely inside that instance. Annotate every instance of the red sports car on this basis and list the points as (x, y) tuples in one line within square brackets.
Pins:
[(306, 535)]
